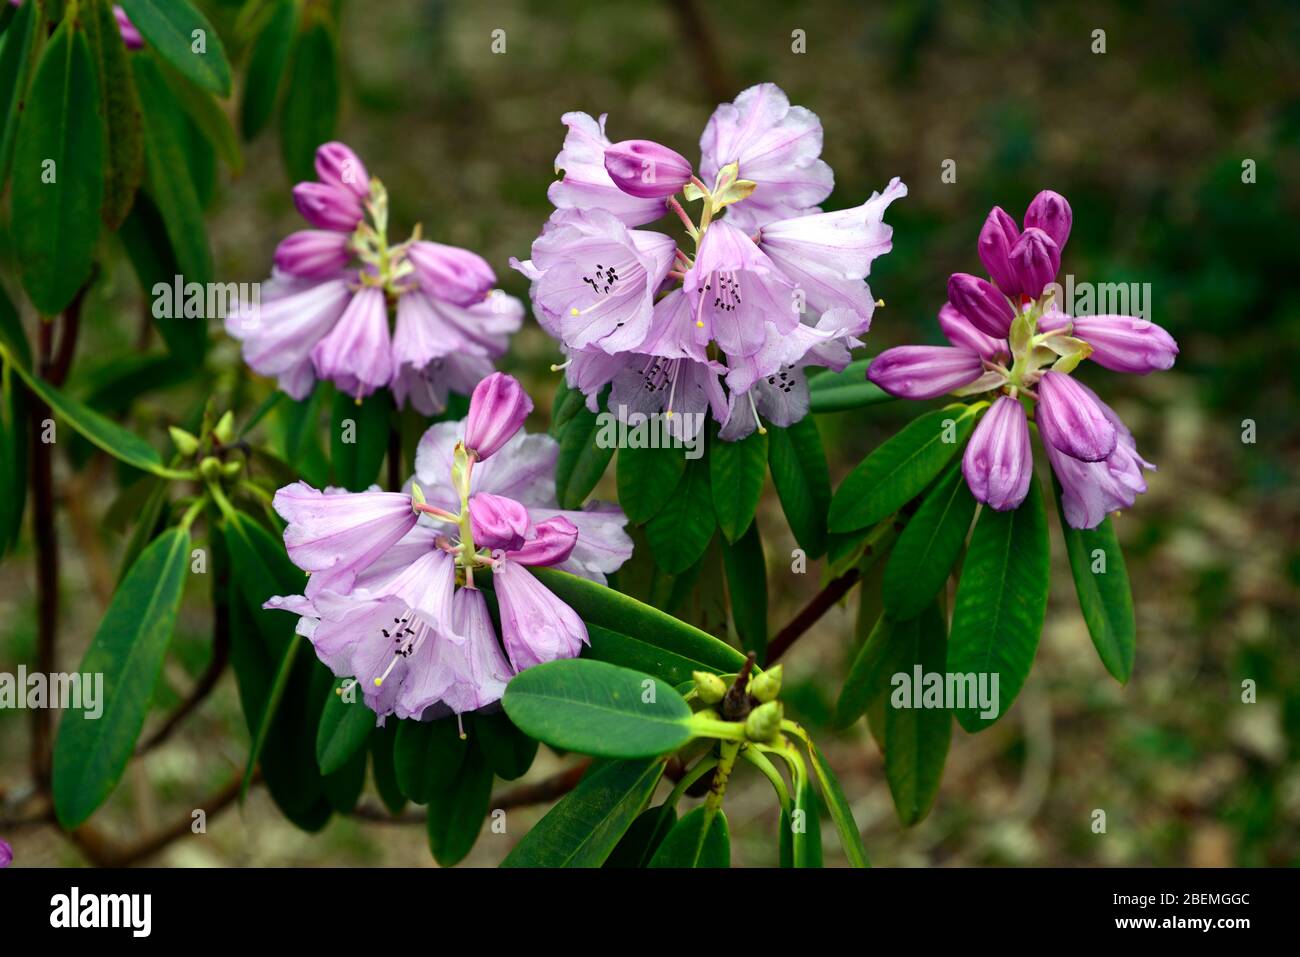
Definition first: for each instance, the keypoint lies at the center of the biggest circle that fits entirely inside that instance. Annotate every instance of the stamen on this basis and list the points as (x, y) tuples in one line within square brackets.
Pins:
[(754, 408)]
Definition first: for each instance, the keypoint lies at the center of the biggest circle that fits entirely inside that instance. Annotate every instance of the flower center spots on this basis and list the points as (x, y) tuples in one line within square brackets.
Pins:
[(405, 640), (782, 380), (605, 280)]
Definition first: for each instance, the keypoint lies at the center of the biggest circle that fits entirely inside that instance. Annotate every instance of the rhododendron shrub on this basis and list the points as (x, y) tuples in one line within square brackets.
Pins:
[(423, 562)]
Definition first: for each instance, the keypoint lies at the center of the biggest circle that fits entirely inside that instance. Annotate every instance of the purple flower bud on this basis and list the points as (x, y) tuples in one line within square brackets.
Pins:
[(1070, 418), (1036, 259), (552, 544), (450, 273), (6, 853), (981, 302), (924, 372), (646, 169), (337, 165), (997, 236), (1051, 213), (328, 207), (497, 521), (998, 464), (497, 410), (1126, 343), (312, 252), (130, 35), (963, 335)]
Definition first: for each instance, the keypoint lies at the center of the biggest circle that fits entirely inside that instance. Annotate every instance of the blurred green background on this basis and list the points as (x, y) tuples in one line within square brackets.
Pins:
[(1146, 140)]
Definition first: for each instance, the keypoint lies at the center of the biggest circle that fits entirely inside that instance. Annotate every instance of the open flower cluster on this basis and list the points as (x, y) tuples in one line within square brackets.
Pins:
[(769, 283), (394, 599), (1010, 337), (326, 312)]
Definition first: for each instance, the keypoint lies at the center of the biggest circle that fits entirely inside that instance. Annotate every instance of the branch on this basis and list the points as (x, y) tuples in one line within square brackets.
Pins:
[(821, 603), (698, 35)]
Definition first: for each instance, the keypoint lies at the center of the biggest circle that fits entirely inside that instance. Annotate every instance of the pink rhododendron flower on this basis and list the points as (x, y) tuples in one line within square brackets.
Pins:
[(394, 597), (767, 286), (1011, 340), (419, 318)]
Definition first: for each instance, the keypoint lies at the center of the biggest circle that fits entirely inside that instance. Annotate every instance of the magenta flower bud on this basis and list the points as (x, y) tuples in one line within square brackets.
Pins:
[(450, 273), (1126, 343), (997, 236), (337, 165), (1070, 419), (497, 521), (1051, 213), (130, 35), (998, 464), (963, 335), (312, 252), (552, 544), (646, 169), (924, 372), (497, 410), (1036, 259), (981, 302), (6, 853), (328, 207)]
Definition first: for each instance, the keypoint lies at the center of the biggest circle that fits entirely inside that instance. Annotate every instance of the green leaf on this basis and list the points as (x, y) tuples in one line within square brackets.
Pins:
[(128, 650), (209, 119), (18, 53), (311, 100), (1001, 601), (457, 809), (144, 237), (169, 26), (926, 550), (266, 65), (869, 674), (125, 167), (838, 805), (428, 755), (746, 569), (643, 838), (899, 469), (1105, 598), (646, 480), (699, 839), (737, 471), (343, 787), (847, 389), (681, 530), (806, 827), (345, 727), (598, 708), (147, 523), (61, 135), (584, 456), (803, 482), (382, 744), (509, 751), (583, 828), (166, 133), (106, 434), (356, 463), (916, 738), (620, 626)]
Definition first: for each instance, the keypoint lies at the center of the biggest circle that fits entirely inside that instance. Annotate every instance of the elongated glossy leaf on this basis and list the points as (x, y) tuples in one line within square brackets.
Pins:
[(628, 619), (899, 469), (699, 839), (209, 118), (457, 810), (746, 570), (18, 51), (806, 827), (868, 677), (681, 530), (428, 755), (382, 745), (343, 787), (803, 482), (266, 69), (106, 434), (58, 171), (144, 237), (125, 143), (13, 461), (737, 472), (926, 550), (598, 708), (838, 805), (917, 730), (847, 389), (359, 439), (1105, 597), (311, 99), (583, 828), (92, 749), (166, 135), (509, 751), (1001, 600), (345, 726), (584, 456), (184, 39), (647, 479), (643, 838)]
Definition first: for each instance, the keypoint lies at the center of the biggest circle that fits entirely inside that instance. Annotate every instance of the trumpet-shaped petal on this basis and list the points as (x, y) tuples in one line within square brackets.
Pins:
[(734, 290), (924, 372), (1071, 419), (998, 464), (536, 627), (357, 352)]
